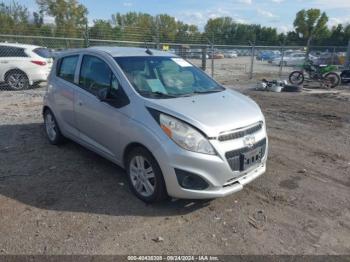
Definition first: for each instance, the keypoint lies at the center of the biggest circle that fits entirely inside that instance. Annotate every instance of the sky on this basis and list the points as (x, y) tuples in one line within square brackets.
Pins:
[(276, 13)]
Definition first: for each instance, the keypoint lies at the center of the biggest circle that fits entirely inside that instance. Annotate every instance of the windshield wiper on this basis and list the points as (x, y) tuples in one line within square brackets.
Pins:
[(216, 90), (156, 94)]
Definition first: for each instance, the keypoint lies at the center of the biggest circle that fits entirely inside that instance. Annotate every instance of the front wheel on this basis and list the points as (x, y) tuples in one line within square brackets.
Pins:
[(296, 78), (145, 176), (333, 79)]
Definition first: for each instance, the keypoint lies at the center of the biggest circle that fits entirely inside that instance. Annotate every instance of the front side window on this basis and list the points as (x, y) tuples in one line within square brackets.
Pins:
[(66, 68), (95, 75), (160, 77)]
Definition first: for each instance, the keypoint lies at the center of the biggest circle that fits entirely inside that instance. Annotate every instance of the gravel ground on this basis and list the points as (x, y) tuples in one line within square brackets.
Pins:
[(68, 200)]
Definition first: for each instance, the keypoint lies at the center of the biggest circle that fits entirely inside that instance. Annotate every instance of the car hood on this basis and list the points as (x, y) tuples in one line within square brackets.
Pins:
[(212, 113)]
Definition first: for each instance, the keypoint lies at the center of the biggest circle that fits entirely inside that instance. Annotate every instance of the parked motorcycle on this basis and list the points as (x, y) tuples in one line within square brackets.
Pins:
[(321, 73)]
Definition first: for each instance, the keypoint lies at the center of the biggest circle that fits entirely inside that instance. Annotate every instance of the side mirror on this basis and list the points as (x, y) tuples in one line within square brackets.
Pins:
[(104, 96)]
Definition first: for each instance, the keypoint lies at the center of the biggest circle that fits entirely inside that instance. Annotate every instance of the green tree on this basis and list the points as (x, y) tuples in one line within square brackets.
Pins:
[(102, 29), (134, 26), (70, 16), (219, 30), (186, 33), (311, 25), (13, 18), (165, 28)]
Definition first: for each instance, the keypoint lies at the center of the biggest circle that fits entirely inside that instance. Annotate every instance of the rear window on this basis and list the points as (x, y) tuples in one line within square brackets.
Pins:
[(43, 52), (66, 67)]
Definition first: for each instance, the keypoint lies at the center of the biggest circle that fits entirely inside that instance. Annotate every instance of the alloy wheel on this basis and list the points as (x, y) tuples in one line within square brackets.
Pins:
[(50, 126), (142, 176), (17, 81)]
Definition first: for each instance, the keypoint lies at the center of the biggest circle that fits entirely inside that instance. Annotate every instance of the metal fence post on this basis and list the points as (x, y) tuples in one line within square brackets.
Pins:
[(86, 35), (212, 60), (333, 55), (347, 60), (281, 63), (252, 62), (204, 58)]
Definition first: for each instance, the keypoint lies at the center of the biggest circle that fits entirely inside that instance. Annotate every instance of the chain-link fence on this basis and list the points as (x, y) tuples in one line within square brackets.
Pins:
[(26, 60)]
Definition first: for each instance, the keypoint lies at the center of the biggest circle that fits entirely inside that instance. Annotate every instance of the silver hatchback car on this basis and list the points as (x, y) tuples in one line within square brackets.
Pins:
[(176, 131)]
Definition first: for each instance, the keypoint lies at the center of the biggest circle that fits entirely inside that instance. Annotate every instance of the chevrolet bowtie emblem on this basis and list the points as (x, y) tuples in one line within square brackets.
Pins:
[(249, 141)]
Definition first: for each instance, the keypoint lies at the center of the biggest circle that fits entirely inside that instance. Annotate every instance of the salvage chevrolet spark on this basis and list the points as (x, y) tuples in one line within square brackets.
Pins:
[(175, 130)]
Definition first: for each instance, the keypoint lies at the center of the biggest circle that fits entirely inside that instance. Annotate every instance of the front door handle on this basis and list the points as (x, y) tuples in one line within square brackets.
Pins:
[(80, 103)]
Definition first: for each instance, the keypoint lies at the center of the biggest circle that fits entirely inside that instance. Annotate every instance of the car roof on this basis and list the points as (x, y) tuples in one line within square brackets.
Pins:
[(117, 51), (20, 45)]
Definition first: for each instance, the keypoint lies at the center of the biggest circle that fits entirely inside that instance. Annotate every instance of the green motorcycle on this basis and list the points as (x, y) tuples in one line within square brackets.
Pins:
[(321, 73)]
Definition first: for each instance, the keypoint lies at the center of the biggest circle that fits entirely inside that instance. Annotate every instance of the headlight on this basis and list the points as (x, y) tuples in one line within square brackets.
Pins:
[(184, 135)]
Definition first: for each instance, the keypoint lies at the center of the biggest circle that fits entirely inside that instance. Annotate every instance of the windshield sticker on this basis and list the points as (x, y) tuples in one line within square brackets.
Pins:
[(181, 62), (156, 86)]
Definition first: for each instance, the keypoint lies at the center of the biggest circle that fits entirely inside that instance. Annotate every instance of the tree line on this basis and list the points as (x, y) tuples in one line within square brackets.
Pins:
[(69, 19)]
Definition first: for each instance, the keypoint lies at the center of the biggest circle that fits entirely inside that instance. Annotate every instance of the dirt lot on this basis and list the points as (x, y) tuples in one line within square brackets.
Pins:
[(68, 200)]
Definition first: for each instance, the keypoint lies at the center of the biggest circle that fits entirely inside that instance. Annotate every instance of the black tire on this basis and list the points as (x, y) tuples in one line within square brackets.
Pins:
[(290, 88), (157, 181), (17, 80), (49, 119), (296, 78), (334, 78)]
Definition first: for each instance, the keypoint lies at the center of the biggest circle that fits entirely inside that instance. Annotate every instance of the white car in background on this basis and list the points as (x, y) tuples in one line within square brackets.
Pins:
[(22, 66), (230, 54), (290, 60), (293, 59)]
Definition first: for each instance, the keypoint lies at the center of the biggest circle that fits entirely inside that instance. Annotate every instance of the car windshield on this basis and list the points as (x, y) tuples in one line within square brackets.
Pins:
[(166, 77)]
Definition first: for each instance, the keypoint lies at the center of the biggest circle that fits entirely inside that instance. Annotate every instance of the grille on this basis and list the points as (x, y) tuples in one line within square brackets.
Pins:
[(240, 134), (234, 157)]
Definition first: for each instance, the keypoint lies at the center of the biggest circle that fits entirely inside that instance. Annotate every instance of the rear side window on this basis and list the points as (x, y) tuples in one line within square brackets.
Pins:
[(43, 52), (66, 68), (10, 51), (95, 74)]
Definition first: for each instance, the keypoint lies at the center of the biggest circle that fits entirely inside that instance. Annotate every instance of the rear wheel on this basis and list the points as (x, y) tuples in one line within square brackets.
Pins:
[(145, 177), (333, 79), (52, 130), (17, 80), (296, 78)]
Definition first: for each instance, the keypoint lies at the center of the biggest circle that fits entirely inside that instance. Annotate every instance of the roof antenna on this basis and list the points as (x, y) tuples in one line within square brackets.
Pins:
[(148, 51)]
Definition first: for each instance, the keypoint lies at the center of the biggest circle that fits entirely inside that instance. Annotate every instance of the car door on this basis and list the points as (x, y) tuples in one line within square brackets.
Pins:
[(63, 79), (98, 121), (17, 58)]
